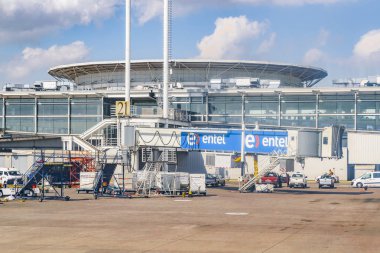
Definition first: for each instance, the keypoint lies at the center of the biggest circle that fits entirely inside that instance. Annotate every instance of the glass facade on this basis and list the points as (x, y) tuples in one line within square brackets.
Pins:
[(74, 115), (50, 115)]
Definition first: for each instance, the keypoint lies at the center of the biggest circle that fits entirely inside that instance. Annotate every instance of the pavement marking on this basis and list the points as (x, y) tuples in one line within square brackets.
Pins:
[(182, 200), (237, 214)]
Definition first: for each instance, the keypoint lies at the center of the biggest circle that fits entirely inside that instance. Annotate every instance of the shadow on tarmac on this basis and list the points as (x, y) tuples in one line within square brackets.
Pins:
[(322, 191)]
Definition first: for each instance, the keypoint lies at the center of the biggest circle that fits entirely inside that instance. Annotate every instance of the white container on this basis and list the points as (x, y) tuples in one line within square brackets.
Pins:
[(130, 181), (86, 181), (182, 180), (198, 183), (165, 182)]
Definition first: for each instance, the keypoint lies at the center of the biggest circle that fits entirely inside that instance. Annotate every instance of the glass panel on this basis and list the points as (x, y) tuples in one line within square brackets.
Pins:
[(198, 108), (12, 124), (25, 124), (298, 121), (78, 109), (83, 106), (1, 107), (94, 109), (271, 121), (325, 121), (233, 108), (345, 107), (368, 123), (81, 124), (52, 125), (347, 121), (368, 107), (78, 125), (327, 107), (269, 108)]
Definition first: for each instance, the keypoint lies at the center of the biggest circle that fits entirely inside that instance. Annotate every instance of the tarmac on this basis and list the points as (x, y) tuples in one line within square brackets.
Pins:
[(289, 220)]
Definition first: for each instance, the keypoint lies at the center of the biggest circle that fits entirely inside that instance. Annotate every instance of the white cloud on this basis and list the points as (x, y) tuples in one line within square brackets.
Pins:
[(26, 19), (368, 46), (38, 59), (313, 56), (150, 9), (267, 44), (231, 38)]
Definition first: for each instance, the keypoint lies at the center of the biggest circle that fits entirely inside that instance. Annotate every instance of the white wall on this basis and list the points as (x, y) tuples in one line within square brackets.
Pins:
[(364, 148)]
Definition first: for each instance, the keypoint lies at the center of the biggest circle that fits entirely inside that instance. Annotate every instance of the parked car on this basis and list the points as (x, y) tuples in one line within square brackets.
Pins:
[(211, 180), (326, 180), (369, 179), (271, 178), (9, 175), (220, 180), (298, 179), (334, 177)]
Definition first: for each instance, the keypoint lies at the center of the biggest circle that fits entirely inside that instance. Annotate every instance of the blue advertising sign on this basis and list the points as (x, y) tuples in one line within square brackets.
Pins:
[(261, 142)]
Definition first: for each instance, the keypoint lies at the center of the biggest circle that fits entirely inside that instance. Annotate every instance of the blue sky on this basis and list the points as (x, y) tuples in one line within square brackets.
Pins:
[(341, 36)]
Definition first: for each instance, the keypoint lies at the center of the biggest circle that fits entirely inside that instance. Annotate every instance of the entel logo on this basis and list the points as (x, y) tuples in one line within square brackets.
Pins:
[(252, 141), (193, 139)]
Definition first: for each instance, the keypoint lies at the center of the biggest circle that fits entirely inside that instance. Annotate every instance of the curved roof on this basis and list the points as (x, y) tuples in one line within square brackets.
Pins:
[(308, 75)]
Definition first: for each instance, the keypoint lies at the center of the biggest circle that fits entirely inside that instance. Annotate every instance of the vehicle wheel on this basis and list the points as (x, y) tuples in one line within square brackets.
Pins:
[(359, 185), (67, 198), (290, 186), (1, 194)]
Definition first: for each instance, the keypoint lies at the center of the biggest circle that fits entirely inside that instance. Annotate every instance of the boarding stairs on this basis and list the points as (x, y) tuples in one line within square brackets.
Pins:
[(271, 161), (34, 174), (105, 173), (146, 182)]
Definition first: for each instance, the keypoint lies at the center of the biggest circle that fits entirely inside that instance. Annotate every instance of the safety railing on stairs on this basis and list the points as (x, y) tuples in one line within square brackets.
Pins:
[(272, 161)]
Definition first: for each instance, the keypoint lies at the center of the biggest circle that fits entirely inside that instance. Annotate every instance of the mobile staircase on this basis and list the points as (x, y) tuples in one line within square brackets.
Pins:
[(272, 161), (41, 169), (146, 179), (101, 186)]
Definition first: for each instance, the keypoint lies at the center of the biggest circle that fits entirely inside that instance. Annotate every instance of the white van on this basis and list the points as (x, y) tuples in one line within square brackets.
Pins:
[(369, 179), (8, 175)]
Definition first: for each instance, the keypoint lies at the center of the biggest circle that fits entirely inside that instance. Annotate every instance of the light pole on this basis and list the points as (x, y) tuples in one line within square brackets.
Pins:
[(242, 147)]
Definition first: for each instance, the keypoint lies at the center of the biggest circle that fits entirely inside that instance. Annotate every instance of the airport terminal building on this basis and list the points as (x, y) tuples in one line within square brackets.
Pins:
[(204, 94)]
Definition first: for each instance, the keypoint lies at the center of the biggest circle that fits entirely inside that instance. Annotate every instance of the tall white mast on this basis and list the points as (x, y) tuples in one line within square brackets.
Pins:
[(127, 50), (165, 94)]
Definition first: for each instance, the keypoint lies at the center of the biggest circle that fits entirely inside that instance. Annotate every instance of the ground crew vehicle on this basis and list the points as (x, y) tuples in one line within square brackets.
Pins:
[(298, 179), (9, 175), (271, 178), (326, 180), (369, 179)]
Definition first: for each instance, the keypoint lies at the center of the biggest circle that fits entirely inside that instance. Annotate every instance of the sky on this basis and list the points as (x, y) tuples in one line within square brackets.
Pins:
[(340, 36)]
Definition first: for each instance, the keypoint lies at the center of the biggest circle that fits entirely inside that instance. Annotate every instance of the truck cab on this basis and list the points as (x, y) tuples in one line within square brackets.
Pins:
[(9, 176)]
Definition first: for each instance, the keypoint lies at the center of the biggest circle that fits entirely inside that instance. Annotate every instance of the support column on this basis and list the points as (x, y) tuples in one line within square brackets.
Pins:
[(242, 135), (356, 112), (165, 95), (127, 75), (35, 114)]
